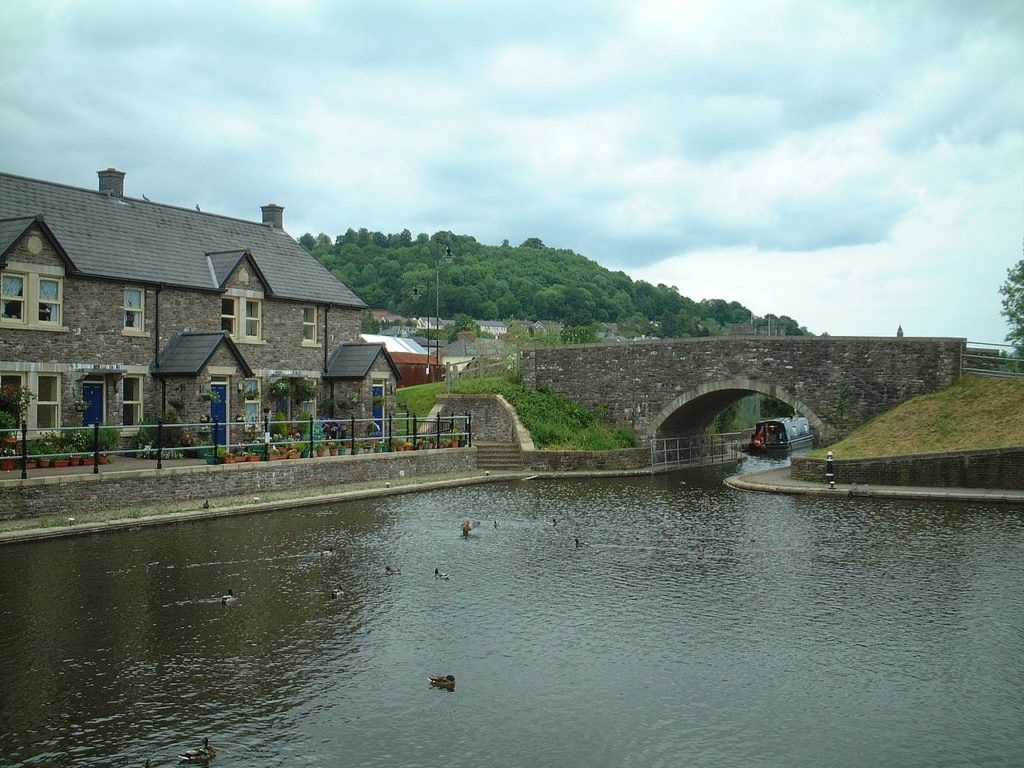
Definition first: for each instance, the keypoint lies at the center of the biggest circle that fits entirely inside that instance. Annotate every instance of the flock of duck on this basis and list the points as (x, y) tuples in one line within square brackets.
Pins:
[(204, 753)]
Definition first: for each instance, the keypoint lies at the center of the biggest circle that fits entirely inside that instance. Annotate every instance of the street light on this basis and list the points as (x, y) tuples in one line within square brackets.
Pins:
[(437, 297)]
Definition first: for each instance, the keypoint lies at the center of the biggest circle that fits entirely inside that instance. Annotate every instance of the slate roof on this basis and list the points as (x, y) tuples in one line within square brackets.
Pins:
[(478, 348), (138, 240), (187, 354), (353, 361), (394, 344)]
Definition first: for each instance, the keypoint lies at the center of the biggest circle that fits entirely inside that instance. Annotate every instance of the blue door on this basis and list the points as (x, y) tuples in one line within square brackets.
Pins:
[(92, 395), (219, 411)]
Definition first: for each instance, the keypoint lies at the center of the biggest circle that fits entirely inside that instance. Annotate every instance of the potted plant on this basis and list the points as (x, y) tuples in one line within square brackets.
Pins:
[(281, 389), (210, 396), (303, 390)]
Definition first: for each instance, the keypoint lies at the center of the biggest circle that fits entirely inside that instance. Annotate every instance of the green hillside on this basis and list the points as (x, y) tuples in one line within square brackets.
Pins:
[(976, 412), (531, 281)]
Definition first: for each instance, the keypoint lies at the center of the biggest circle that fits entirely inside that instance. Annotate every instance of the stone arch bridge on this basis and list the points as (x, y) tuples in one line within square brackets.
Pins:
[(676, 387)]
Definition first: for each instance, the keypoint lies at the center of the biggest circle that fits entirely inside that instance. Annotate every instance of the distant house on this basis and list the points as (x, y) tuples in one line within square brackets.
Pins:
[(416, 364), (468, 349), (125, 308), (495, 328)]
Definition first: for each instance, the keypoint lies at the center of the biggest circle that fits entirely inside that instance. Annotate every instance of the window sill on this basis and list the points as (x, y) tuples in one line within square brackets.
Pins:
[(18, 325), (136, 334)]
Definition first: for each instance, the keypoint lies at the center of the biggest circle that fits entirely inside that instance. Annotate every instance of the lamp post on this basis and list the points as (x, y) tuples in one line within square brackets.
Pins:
[(437, 298)]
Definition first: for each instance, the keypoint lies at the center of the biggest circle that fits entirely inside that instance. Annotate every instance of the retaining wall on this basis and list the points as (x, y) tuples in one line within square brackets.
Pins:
[(178, 488), (999, 468)]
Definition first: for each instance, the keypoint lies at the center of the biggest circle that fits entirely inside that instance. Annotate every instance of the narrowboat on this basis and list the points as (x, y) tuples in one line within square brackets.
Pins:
[(781, 435)]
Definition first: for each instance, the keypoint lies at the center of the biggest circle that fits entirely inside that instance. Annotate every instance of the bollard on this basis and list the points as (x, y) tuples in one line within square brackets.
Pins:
[(830, 474)]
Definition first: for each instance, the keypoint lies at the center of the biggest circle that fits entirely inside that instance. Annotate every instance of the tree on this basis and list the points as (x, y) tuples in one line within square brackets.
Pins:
[(1013, 303)]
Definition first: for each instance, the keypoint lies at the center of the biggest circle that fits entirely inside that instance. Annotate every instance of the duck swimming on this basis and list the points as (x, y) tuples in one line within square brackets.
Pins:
[(443, 681), (389, 571), (201, 754), (228, 598), (336, 593), (440, 575), (329, 552)]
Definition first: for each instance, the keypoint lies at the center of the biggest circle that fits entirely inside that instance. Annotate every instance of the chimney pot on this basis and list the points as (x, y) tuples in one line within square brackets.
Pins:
[(112, 182), (273, 215)]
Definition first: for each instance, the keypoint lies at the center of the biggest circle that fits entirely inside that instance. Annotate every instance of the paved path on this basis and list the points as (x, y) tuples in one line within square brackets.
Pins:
[(771, 481), (779, 481)]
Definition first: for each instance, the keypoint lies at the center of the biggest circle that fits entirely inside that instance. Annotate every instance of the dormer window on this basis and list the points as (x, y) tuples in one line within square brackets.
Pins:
[(31, 299), (12, 298), (242, 318), (49, 300)]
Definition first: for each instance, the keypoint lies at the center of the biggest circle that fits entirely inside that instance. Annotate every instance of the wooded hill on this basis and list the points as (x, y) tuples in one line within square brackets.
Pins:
[(531, 281)]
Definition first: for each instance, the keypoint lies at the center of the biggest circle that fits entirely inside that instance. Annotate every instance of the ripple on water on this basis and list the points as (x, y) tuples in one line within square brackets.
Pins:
[(697, 626)]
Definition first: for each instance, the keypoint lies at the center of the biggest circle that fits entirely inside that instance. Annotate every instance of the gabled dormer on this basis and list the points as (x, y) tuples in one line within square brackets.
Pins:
[(245, 289), (33, 265)]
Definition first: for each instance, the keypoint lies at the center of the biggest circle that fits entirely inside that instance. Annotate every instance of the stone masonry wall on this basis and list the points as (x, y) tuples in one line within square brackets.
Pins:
[(840, 381), (181, 488), (997, 468), (494, 420), (92, 333)]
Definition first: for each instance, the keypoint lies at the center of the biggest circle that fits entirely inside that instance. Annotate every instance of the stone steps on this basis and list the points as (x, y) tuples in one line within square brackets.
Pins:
[(498, 455)]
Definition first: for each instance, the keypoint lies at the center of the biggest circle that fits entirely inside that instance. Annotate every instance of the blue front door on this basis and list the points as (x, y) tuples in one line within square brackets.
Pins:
[(219, 411), (92, 394)]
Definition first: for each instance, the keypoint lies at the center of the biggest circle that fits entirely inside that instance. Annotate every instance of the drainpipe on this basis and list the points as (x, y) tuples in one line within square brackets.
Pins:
[(156, 347), (326, 309)]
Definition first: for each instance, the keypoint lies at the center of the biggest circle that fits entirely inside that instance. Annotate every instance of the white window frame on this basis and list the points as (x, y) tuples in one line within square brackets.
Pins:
[(309, 314), (229, 321), (135, 404), (21, 298), (54, 306), (51, 406), (252, 319), (137, 312), (31, 299)]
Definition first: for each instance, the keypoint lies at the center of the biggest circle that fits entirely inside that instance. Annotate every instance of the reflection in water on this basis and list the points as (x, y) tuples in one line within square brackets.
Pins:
[(697, 626)]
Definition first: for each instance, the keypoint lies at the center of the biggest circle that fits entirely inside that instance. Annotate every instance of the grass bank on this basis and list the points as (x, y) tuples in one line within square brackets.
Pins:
[(976, 412), (554, 421)]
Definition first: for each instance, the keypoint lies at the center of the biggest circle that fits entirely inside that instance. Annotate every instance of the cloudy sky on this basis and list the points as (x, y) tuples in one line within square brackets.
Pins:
[(854, 165)]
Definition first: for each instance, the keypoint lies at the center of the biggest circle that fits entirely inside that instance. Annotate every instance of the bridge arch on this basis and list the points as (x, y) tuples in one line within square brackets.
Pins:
[(693, 411)]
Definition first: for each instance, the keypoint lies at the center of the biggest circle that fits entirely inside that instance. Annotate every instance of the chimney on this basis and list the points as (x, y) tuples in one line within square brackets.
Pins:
[(273, 215), (112, 182)]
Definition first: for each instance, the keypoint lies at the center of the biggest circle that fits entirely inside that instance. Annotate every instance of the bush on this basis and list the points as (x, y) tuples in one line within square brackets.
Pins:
[(8, 421), (172, 434)]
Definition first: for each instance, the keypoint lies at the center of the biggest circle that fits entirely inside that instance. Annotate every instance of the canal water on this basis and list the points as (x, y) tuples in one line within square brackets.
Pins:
[(694, 625)]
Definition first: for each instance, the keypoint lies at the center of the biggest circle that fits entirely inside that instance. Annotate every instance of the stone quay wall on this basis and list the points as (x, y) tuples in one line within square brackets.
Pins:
[(182, 488), (623, 460), (995, 468)]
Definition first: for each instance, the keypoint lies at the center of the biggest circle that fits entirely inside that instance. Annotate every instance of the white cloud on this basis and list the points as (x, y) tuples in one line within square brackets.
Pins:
[(871, 152)]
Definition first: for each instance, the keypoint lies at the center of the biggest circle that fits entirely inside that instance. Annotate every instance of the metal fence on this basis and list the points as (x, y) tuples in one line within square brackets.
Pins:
[(696, 449), (991, 359), (228, 442)]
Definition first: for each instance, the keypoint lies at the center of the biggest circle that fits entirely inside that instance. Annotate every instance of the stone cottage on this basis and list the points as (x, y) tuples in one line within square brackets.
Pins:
[(114, 309)]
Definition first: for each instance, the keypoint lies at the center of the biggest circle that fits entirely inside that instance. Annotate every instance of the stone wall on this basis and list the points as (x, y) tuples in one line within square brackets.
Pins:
[(183, 488), (92, 333), (675, 387), (624, 460), (494, 419), (997, 468)]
